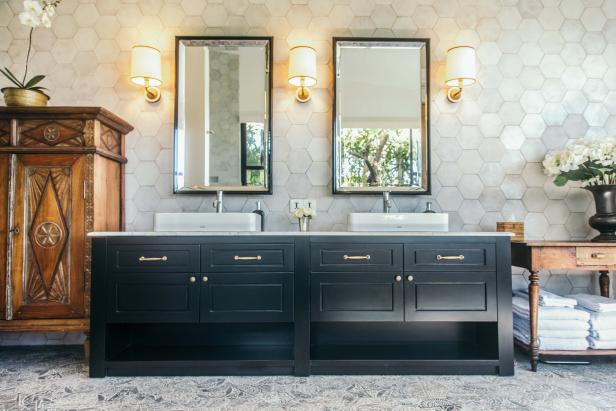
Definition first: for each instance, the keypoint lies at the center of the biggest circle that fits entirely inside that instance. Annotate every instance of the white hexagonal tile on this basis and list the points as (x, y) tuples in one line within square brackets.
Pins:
[(593, 19), (470, 186), (492, 174), (320, 173), (449, 174), (471, 211), (146, 173), (298, 161), (449, 198), (492, 199)]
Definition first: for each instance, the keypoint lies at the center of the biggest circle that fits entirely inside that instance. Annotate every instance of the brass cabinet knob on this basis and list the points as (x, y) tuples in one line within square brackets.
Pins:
[(205, 279), (410, 278), (192, 279), (398, 278)]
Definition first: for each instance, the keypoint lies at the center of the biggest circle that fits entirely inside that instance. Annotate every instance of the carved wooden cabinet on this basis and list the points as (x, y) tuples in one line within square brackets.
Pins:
[(61, 176)]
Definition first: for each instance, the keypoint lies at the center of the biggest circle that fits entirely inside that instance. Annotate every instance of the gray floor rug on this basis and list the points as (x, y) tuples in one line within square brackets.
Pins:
[(54, 378)]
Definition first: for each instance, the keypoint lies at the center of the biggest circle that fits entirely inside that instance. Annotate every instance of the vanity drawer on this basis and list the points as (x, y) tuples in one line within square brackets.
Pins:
[(356, 257), (247, 298), (468, 296), (154, 258), (356, 297), (153, 298), (600, 256), (452, 257), (247, 257)]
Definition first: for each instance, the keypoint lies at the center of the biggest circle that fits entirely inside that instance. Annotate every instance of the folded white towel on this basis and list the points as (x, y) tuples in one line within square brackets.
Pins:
[(554, 343), (569, 325), (602, 321), (571, 334), (548, 299), (521, 307), (595, 302), (602, 344), (603, 334)]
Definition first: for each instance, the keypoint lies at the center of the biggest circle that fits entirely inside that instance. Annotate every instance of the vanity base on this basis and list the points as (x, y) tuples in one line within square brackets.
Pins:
[(299, 305)]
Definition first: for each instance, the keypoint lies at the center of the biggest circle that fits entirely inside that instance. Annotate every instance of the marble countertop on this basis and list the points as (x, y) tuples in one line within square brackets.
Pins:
[(297, 233)]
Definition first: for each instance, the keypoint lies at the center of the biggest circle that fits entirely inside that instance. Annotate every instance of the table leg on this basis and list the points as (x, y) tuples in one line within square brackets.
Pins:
[(604, 283), (533, 305)]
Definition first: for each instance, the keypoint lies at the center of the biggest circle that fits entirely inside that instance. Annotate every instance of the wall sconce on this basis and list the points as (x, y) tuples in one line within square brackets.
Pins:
[(460, 72), (146, 71), (302, 71)]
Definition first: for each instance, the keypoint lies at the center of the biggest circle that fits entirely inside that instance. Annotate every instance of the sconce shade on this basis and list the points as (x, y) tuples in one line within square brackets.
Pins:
[(460, 69), (302, 66), (145, 66)]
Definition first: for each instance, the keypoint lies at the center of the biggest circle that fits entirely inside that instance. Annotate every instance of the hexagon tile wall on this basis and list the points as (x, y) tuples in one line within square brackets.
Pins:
[(547, 74)]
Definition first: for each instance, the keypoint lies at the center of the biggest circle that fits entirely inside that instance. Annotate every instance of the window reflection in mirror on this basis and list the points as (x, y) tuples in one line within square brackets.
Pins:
[(223, 122), (381, 119)]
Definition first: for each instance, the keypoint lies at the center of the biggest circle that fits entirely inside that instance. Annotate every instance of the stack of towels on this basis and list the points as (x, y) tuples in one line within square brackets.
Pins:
[(602, 313), (560, 327)]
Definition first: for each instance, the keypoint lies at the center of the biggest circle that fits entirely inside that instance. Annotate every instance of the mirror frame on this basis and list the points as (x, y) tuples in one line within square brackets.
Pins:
[(270, 65), (379, 191)]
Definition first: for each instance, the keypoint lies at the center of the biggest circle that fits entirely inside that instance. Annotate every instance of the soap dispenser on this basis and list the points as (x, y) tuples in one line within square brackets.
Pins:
[(429, 207), (261, 213)]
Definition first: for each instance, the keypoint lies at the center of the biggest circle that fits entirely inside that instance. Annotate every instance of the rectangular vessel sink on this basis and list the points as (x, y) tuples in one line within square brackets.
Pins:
[(206, 222), (399, 222)]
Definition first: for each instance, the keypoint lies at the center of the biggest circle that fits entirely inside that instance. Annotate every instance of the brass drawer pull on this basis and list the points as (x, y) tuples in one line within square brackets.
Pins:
[(450, 257), (598, 256), (247, 258), (356, 257), (192, 279), (398, 278), (142, 258)]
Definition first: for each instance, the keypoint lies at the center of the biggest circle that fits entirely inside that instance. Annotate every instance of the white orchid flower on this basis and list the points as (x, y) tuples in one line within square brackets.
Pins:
[(45, 20), (33, 7), (29, 19)]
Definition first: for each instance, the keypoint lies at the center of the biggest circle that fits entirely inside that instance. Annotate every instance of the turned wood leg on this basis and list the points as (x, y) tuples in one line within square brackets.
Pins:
[(533, 305), (604, 283)]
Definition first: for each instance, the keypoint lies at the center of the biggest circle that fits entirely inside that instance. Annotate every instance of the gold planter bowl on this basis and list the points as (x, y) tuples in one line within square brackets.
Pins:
[(19, 97)]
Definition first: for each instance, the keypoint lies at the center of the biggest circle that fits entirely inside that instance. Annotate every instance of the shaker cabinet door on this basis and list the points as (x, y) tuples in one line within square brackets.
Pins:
[(48, 236), (153, 298), (356, 297), (246, 297), (450, 296)]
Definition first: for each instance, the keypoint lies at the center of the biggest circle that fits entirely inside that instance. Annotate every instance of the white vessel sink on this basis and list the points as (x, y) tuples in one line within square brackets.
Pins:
[(398, 222), (206, 222)]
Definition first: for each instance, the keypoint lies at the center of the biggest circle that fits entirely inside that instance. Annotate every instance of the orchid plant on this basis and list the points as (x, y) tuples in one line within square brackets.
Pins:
[(591, 161), (36, 13), (304, 212)]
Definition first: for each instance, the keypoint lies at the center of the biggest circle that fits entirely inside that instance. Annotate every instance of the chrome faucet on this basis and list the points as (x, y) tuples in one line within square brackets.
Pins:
[(386, 202), (217, 204)]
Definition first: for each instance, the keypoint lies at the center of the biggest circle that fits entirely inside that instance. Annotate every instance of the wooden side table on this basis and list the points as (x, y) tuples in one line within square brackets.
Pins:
[(537, 256)]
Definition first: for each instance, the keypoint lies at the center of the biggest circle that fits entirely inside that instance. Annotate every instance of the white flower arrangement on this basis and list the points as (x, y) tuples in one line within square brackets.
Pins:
[(37, 12), (591, 161), (304, 212)]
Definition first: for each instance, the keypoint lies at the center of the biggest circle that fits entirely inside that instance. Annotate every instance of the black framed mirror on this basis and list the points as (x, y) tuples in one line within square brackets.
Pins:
[(381, 121), (223, 121)]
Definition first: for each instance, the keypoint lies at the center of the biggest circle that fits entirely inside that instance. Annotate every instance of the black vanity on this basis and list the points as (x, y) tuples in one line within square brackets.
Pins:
[(300, 304)]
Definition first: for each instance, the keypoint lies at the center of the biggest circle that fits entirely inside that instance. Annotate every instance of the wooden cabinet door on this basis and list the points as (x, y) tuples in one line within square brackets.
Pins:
[(48, 249)]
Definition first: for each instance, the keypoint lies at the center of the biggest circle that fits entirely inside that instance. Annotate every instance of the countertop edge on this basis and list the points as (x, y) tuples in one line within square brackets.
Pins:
[(300, 234)]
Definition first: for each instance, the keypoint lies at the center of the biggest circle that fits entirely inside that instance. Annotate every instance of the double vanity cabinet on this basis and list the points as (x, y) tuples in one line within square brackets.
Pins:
[(300, 304)]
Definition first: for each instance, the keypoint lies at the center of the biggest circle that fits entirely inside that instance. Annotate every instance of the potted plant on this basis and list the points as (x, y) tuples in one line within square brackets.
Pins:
[(304, 215), (593, 163), (28, 92)]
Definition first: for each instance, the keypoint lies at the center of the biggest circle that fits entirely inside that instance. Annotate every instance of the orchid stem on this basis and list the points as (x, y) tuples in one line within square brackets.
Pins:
[(28, 55)]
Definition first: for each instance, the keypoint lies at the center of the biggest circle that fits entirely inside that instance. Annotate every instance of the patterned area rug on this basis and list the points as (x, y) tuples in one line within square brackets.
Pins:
[(54, 378)]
